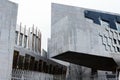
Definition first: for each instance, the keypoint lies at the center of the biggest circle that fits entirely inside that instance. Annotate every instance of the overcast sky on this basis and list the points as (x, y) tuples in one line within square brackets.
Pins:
[(38, 12)]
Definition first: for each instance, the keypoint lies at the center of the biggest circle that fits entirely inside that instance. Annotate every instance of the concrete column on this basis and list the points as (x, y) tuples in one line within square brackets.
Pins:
[(8, 15)]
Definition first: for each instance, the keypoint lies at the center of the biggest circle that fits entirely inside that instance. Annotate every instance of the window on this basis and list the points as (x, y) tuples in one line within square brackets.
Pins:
[(118, 49), (119, 42), (40, 65), (44, 66), (36, 66), (118, 26), (39, 44), (50, 69), (20, 39), (27, 62), (115, 42), (105, 23), (36, 44), (20, 62), (25, 41), (16, 37), (33, 42), (15, 59), (32, 60), (93, 72)]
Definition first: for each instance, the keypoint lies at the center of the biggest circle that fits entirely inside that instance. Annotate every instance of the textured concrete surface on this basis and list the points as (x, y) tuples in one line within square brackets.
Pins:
[(72, 31), (8, 15)]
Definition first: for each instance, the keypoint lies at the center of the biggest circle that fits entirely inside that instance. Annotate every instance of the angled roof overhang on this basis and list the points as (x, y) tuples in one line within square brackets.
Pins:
[(91, 61)]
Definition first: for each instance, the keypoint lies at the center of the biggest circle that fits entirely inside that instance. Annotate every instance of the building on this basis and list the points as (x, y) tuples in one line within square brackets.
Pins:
[(27, 60), (88, 38), (20, 50), (8, 18)]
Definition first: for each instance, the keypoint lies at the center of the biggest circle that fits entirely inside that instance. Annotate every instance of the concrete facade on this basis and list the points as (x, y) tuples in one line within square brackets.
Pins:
[(85, 37), (28, 60), (8, 18), (30, 39), (20, 50)]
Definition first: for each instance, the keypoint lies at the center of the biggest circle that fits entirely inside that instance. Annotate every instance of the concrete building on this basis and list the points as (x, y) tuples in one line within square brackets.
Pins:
[(28, 61), (8, 18), (88, 38), (20, 50)]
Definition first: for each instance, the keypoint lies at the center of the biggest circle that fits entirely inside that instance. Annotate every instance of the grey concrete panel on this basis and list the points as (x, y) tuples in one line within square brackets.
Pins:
[(72, 31), (8, 16)]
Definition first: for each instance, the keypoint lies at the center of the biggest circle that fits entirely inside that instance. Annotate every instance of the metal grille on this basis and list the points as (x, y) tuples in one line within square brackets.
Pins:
[(100, 77), (31, 75)]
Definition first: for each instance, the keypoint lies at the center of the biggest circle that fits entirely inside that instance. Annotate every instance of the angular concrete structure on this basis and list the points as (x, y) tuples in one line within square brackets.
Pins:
[(28, 61), (85, 37), (8, 18)]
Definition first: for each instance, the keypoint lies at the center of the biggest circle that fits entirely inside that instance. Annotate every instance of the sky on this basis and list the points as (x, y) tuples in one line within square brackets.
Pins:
[(38, 12)]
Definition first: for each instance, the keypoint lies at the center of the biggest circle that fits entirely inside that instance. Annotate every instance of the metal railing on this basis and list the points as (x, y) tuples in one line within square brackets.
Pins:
[(100, 77), (32, 75)]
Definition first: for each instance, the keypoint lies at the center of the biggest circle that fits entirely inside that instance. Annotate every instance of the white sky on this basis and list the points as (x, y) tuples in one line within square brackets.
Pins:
[(38, 12)]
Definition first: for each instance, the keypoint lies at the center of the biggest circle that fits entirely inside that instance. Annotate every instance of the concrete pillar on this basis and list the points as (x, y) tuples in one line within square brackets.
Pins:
[(8, 15)]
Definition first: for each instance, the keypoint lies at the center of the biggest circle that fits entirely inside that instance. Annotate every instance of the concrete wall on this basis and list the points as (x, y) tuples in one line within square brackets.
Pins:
[(72, 31), (33, 36), (8, 16)]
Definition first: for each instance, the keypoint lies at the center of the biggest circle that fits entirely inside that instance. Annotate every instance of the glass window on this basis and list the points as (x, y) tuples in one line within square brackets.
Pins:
[(36, 44), (40, 65), (25, 41), (27, 62), (20, 62), (33, 40), (32, 60), (93, 72), (20, 39), (50, 69), (36, 66), (44, 66), (105, 23), (118, 26), (16, 37), (15, 59), (39, 44)]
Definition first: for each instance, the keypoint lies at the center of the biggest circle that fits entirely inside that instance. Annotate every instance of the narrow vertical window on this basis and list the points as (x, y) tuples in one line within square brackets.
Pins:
[(33, 39), (36, 65), (27, 62), (15, 59), (39, 44), (20, 39), (20, 62), (16, 37), (25, 41), (32, 60), (36, 44), (93, 72), (40, 65)]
